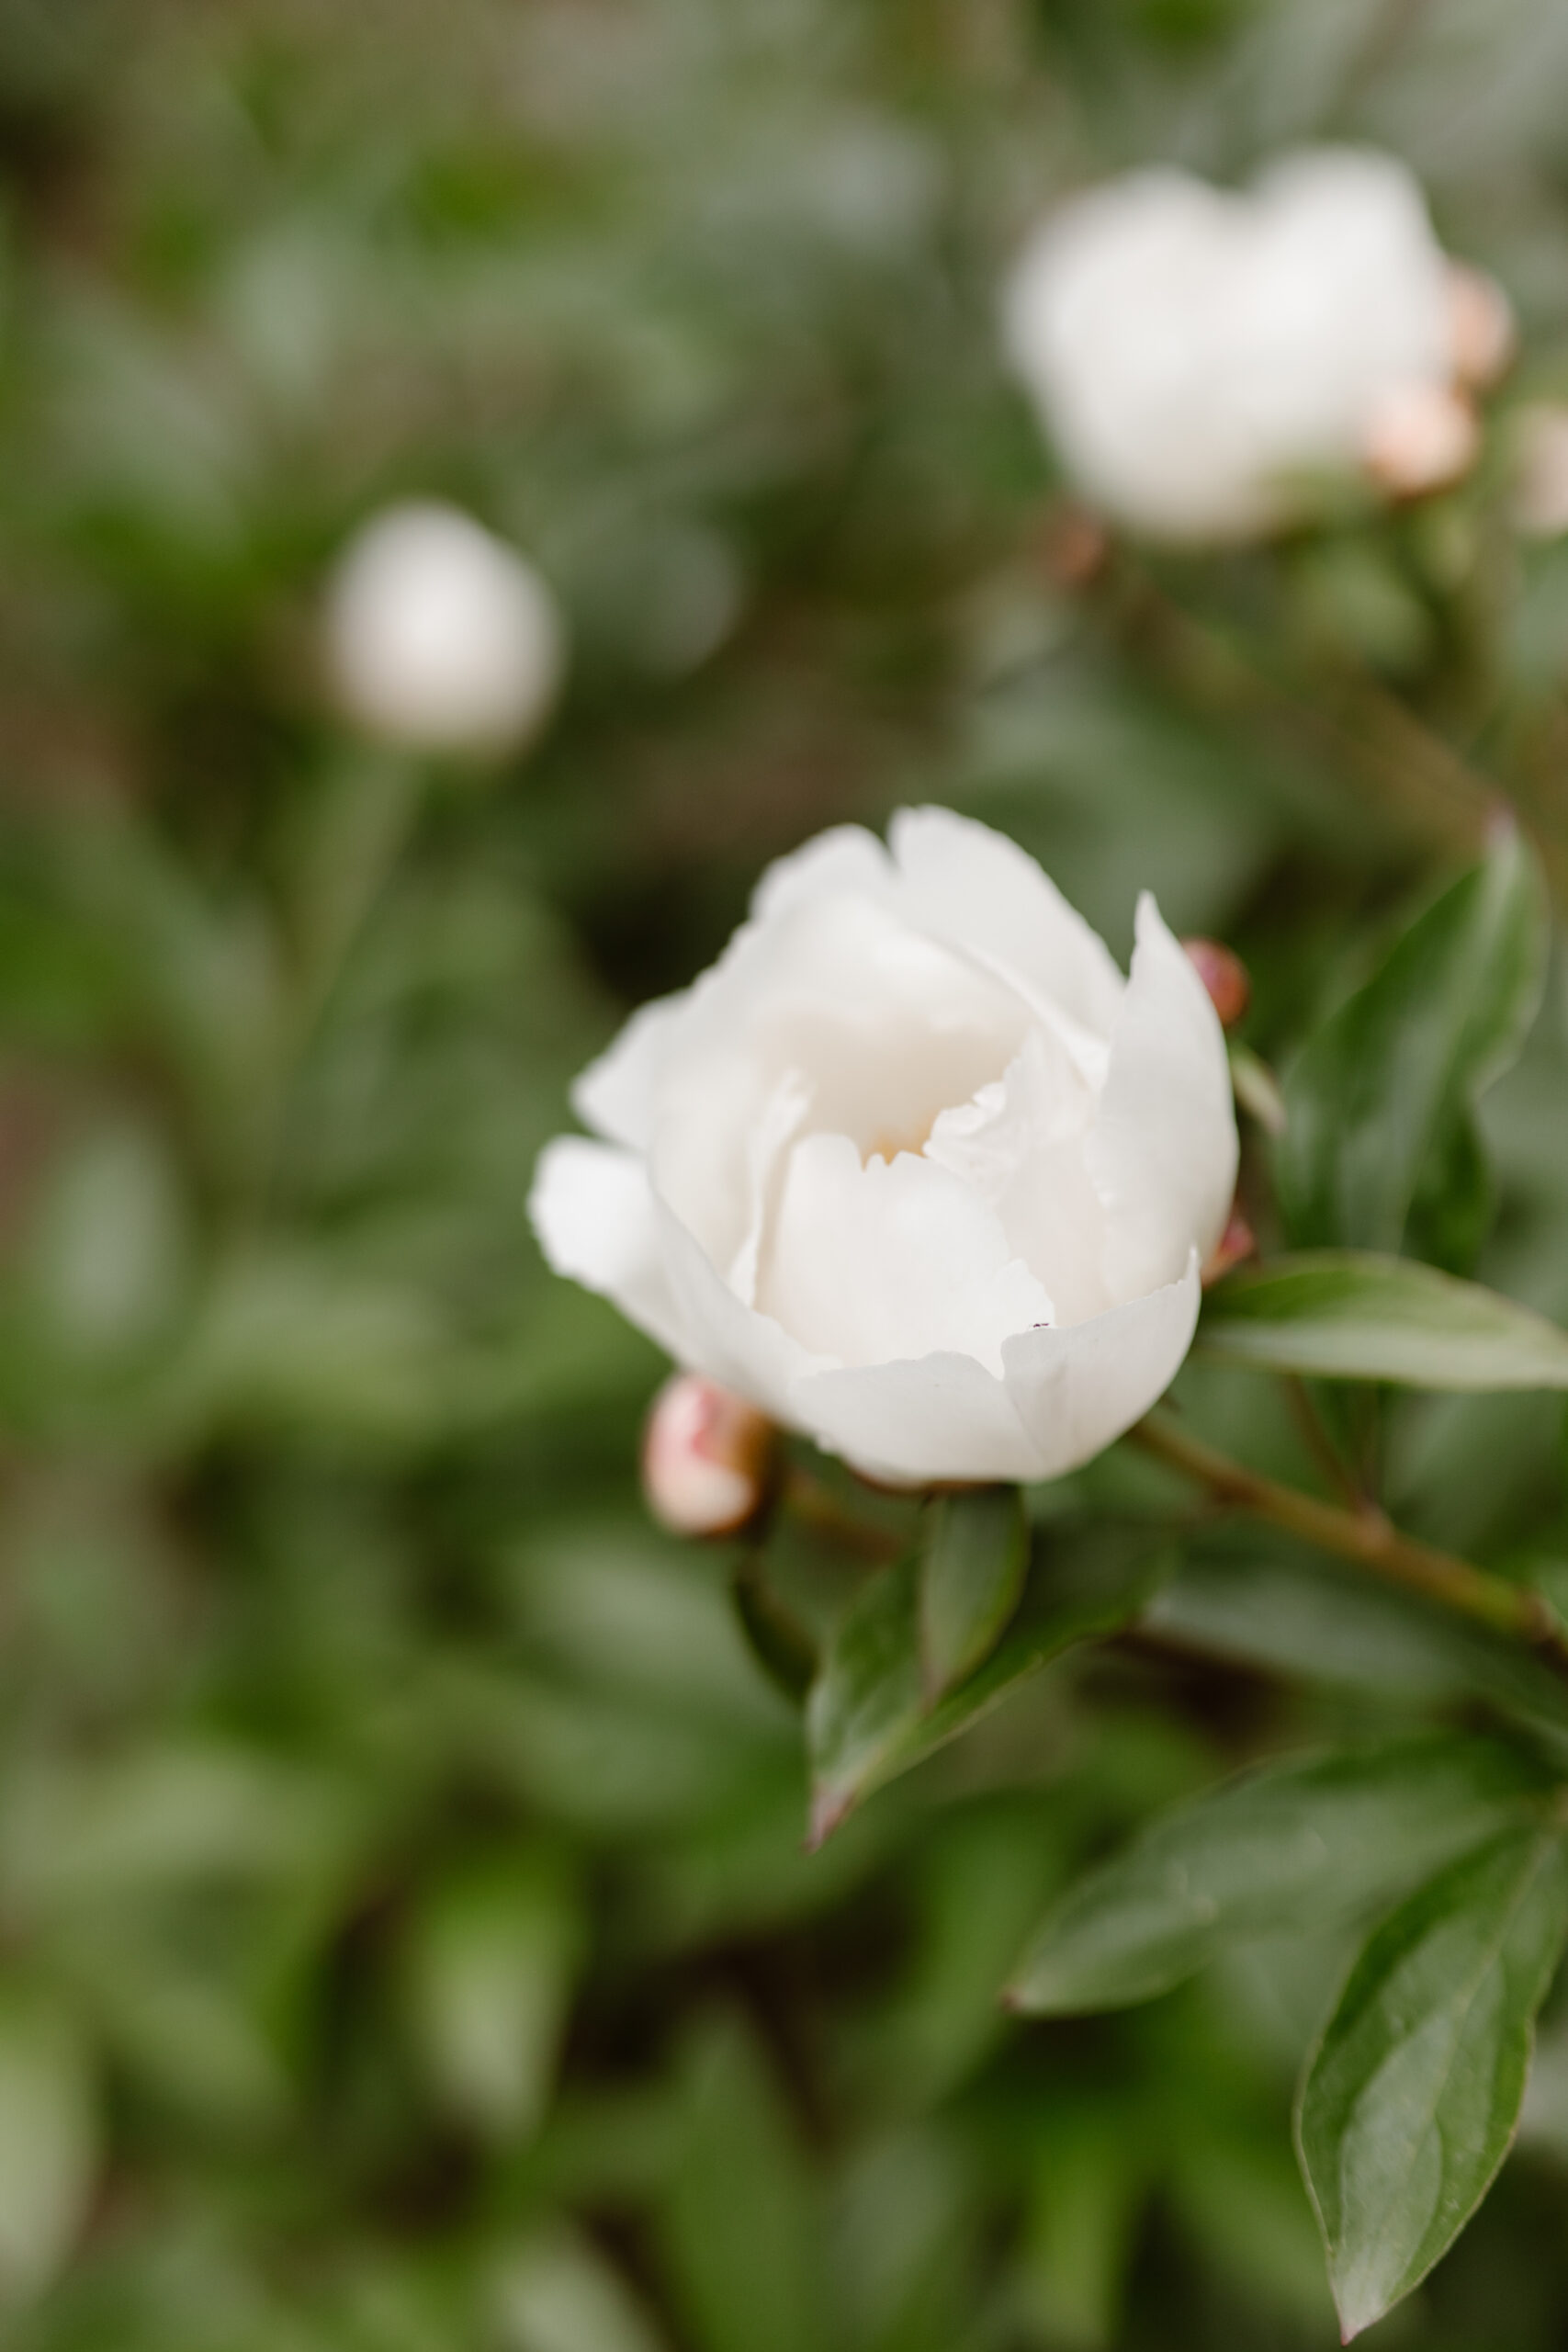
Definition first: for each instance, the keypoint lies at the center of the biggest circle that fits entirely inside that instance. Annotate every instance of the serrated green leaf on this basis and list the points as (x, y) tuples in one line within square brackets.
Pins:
[(1410, 2101), (1307, 1841), (868, 1718), (1381, 1088), (974, 1555), (1354, 1315)]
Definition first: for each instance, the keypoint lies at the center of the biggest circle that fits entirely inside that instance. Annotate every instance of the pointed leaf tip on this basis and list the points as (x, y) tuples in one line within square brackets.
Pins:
[(828, 1808), (1409, 2105)]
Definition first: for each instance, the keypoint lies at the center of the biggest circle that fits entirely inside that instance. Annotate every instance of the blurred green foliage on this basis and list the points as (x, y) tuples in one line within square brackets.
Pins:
[(405, 1938)]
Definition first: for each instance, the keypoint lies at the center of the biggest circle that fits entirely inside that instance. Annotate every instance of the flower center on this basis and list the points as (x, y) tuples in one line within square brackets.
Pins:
[(889, 1141)]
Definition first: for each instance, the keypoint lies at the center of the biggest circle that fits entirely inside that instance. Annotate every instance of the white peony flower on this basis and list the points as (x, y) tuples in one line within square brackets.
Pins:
[(1195, 352), (913, 1168), (440, 637)]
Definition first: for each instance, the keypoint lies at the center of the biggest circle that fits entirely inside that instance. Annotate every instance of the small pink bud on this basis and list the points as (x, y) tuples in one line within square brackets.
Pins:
[(1540, 487), (705, 1457), (1074, 547), (1236, 1242), (1224, 975), (1482, 332), (1421, 438)]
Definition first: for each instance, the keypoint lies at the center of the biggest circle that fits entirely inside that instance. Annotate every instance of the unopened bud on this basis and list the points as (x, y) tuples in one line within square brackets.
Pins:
[(1540, 486), (1236, 1242), (705, 1457), (1075, 546), (1481, 331), (440, 637), (1421, 438), (1224, 975)]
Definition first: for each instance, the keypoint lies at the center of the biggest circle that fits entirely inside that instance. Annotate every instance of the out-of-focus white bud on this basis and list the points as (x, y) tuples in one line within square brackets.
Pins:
[(1420, 437), (1224, 975), (705, 1457), (1540, 482), (1481, 324), (440, 637)]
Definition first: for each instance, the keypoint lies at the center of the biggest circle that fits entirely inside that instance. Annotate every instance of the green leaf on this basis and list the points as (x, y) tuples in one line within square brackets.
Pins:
[(1271, 1605), (1256, 1089), (1091, 2168), (490, 1961), (774, 1634), (49, 2132), (867, 1696), (1410, 2101), (1455, 1202), (557, 2292), (1380, 1090), (1350, 1314), (1298, 1843), (740, 2226), (868, 1718), (974, 1555)]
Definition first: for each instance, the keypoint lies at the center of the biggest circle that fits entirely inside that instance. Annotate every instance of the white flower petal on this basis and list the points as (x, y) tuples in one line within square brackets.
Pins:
[(617, 1093), (766, 1165), (1162, 1151), (963, 882), (887, 1261), (943, 1416), (1020, 1147), (1077, 1389), (845, 861), (885, 1025), (596, 1219), (731, 1341)]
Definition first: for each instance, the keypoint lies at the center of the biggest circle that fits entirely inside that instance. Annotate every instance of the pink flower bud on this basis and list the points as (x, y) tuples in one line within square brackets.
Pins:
[(1224, 975), (705, 1457), (1421, 438), (1540, 487), (1074, 547), (1481, 327), (1236, 1242)]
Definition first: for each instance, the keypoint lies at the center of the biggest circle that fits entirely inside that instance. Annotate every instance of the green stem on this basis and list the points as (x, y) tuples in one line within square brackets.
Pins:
[(810, 1502), (1366, 1538)]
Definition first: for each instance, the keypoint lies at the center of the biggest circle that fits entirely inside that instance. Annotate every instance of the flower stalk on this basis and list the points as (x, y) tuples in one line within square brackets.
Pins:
[(1366, 1537)]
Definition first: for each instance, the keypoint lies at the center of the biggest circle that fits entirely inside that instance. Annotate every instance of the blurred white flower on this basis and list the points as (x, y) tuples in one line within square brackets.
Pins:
[(1197, 355), (1540, 482), (913, 1168), (440, 637)]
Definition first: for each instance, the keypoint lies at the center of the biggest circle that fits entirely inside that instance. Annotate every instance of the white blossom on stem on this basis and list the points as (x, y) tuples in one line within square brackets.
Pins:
[(440, 637), (1198, 357), (913, 1168)]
